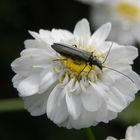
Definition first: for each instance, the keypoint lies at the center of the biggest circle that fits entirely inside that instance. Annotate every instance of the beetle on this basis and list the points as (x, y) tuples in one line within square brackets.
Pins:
[(77, 54), (82, 55)]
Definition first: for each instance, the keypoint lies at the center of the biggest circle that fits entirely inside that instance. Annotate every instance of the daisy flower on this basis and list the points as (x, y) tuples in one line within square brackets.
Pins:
[(73, 93), (124, 16), (132, 133)]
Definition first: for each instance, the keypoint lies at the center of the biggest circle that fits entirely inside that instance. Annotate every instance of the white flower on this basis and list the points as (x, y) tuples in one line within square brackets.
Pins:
[(124, 16), (132, 133), (71, 95)]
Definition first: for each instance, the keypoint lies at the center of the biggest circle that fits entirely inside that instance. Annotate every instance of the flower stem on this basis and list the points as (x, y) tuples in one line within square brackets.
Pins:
[(89, 134), (8, 105)]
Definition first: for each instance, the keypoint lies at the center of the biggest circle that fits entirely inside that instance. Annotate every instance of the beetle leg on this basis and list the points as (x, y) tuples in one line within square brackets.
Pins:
[(60, 59), (82, 69), (89, 71)]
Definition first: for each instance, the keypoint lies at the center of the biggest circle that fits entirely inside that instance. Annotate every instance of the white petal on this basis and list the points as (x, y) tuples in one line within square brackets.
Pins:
[(29, 86), (56, 105), (91, 99), (36, 104), (41, 44), (82, 30), (110, 138), (28, 65), (73, 105), (66, 79), (116, 101), (107, 78), (35, 35), (122, 90), (90, 118), (31, 43), (60, 35), (23, 68), (16, 80), (100, 35), (118, 73), (104, 111), (136, 79), (127, 88), (57, 36), (65, 34), (72, 99), (48, 79), (35, 52), (45, 35), (111, 115), (133, 133), (105, 46), (122, 54)]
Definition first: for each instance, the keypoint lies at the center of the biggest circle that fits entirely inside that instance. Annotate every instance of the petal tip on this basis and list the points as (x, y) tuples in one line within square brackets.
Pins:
[(108, 25)]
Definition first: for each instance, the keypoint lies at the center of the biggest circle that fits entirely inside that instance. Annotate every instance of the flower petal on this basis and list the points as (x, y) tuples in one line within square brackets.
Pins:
[(31, 43), (90, 118), (100, 35), (60, 35), (35, 35), (29, 86), (127, 88), (133, 133), (39, 43), (57, 36), (56, 105), (136, 79), (116, 101), (73, 105), (110, 138), (35, 52), (36, 104), (104, 111), (122, 54), (45, 35), (16, 80), (73, 100), (82, 30), (91, 99), (27, 65), (48, 79)]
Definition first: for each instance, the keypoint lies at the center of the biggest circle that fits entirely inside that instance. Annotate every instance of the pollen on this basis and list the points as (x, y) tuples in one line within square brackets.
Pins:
[(129, 11), (78, 68)]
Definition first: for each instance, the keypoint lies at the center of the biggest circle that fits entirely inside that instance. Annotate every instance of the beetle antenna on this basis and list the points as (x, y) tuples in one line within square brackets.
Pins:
[(119, 72), (108, 53)]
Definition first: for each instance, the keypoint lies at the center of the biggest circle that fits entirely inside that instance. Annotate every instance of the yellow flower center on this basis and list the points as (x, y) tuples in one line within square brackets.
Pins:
[(129, 11), (78, 69)]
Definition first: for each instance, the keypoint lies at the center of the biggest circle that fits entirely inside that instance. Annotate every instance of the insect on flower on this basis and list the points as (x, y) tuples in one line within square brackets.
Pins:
[(82, 55), (75, 86)]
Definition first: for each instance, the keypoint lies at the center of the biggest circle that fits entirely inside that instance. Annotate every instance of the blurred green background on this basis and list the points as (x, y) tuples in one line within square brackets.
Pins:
[(16, 18)]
